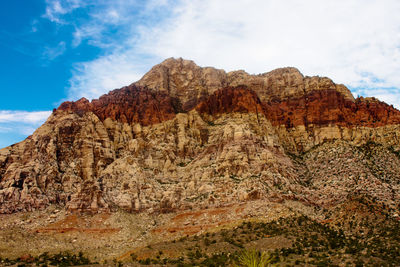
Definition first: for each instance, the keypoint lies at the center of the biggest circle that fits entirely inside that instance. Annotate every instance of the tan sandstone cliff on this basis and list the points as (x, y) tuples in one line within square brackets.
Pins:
[(186, 137)]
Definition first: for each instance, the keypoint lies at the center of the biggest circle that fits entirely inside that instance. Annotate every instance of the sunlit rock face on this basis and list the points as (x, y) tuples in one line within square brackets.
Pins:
[(187, 137)]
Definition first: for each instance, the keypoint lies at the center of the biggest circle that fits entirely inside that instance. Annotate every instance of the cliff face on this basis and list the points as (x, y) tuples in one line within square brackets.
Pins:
[(127, 105), (186, 137)]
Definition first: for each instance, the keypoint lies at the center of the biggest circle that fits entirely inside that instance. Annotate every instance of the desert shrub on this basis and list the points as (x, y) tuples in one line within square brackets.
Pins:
[(254, 258)]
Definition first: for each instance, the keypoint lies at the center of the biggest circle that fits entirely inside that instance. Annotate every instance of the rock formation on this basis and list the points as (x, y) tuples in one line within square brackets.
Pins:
[(186, 137)]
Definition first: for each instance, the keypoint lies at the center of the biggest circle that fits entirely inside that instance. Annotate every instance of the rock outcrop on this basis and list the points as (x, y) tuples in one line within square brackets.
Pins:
[(128, 105), (186, 137)]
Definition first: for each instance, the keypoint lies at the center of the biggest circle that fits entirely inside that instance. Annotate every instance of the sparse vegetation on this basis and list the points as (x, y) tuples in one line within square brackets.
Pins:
[(365, 236), (45, 259), (296, 240)]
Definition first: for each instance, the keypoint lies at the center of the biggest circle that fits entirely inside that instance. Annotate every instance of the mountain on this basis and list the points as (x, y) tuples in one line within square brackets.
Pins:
[(190, 165), (186, 137)]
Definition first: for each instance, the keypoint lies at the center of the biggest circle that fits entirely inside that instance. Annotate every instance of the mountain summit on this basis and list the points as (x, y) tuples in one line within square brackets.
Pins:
[(185, 137)]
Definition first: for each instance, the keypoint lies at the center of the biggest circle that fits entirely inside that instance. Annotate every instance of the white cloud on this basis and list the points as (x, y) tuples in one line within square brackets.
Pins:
[(55, 9), (342, 39), (51, 53), (99, 16), (15, 125), (94, 78), (120, 65), (355, 42), (27, 117)]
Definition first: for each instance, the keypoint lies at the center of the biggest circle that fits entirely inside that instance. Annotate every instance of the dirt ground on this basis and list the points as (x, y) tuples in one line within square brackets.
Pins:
[(109, 236)]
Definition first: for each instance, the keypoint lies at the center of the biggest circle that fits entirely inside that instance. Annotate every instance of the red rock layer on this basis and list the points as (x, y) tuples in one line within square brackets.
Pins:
[(230, 100), (325, 107), (129, 104), (322, 107)]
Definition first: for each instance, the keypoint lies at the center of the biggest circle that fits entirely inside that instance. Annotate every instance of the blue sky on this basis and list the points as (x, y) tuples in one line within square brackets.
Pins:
[(57, 50)]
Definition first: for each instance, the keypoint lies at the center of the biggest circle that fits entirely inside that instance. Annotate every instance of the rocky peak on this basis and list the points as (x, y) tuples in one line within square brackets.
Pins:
[(191, 84), (185, 136), (185, 80)]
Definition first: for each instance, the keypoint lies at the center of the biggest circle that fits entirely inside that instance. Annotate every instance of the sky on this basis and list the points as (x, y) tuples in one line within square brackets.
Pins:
[(57, 50)]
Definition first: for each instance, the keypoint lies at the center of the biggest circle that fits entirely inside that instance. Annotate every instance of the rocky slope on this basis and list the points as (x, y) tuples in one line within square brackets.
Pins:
[(185, 137)]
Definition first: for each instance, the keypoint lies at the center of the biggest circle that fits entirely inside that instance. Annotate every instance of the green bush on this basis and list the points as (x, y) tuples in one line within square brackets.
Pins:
[(254, 258)]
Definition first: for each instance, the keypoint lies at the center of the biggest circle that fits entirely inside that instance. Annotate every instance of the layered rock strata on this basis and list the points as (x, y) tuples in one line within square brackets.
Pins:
[(185, 137)]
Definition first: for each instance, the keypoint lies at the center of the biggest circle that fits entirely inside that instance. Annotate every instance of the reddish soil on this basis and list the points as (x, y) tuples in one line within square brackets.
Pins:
[(75, 223), (190, 223)]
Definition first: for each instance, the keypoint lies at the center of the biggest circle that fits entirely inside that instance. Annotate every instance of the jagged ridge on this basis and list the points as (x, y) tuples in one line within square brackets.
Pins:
[(188, 137)]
